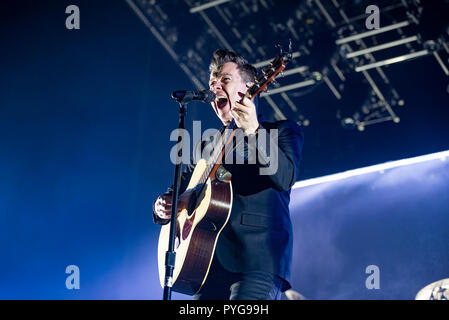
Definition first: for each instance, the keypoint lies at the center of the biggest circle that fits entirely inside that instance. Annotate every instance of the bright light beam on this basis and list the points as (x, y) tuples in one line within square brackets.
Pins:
[(375, 168), (208, 5)]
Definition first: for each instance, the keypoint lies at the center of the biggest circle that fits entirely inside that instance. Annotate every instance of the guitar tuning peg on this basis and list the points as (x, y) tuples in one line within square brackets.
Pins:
[(276, 84), (278, 46)]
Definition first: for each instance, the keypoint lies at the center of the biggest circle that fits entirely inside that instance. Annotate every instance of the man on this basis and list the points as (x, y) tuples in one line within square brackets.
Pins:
[(253, 253)]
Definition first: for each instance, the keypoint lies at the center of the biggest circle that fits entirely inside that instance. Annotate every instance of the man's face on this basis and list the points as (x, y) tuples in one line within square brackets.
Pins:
[(226, 83)]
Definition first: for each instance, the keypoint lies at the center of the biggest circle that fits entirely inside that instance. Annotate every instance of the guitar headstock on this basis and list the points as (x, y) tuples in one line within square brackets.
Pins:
[(270, 72)]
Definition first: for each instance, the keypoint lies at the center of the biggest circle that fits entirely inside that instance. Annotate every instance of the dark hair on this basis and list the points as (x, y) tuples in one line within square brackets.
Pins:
[(221, 56)]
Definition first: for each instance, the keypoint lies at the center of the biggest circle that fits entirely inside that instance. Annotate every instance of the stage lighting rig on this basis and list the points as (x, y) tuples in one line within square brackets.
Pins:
[(332, 48)]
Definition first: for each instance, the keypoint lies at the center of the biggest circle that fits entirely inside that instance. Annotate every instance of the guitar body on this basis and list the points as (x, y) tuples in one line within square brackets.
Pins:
[(197, 233)]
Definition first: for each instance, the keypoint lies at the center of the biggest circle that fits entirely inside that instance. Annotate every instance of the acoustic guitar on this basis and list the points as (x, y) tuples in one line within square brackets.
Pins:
[(205, 207)]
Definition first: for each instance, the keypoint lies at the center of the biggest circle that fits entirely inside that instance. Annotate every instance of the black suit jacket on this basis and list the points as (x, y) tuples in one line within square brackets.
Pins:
[(258, 236)]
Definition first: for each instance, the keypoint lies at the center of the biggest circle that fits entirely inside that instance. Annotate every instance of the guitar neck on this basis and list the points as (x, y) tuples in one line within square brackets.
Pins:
[(226, 134)]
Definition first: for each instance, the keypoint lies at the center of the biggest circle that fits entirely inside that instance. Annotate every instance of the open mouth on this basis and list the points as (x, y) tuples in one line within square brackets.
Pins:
[(221, 102)]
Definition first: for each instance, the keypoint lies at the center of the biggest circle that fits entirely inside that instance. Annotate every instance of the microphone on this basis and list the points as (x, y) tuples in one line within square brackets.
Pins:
[(183, 96)]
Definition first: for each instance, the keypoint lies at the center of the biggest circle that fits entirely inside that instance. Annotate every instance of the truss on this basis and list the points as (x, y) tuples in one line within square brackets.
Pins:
[(332, 45)]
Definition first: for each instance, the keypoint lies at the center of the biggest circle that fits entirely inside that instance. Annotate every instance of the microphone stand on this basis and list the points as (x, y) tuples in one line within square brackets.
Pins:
[(170, 255)]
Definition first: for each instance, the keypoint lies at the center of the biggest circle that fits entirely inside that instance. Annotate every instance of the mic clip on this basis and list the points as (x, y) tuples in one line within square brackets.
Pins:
[(184, 97)]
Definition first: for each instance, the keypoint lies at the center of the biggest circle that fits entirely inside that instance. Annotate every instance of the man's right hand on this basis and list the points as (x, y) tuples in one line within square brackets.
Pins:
[(162, 206)]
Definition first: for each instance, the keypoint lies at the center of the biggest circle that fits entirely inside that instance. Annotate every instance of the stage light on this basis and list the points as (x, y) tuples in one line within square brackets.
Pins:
[(375, 168), (348, 123)]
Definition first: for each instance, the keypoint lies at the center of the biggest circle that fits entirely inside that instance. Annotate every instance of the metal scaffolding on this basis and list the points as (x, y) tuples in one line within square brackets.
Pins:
[(332, 41)]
